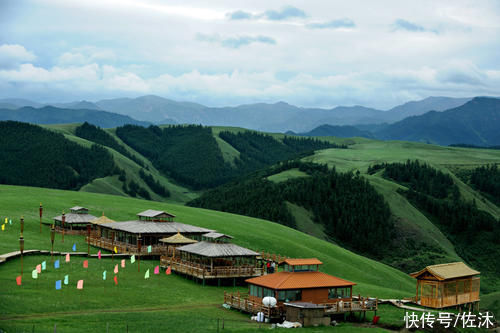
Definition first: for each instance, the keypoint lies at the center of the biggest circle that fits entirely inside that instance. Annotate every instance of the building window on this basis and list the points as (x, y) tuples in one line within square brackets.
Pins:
[(268, 292), (290, 295), (339, 293)]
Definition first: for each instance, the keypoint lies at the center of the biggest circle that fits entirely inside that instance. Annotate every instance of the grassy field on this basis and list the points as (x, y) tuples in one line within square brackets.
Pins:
[(286, 175), (135, 300)]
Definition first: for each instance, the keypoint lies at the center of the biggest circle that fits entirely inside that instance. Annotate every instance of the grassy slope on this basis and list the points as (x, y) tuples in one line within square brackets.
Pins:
[(373, 278), (286, 175)]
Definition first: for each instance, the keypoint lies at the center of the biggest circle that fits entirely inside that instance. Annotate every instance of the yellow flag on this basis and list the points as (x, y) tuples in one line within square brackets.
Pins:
[(115, 250), (3, 227), (6, 220)]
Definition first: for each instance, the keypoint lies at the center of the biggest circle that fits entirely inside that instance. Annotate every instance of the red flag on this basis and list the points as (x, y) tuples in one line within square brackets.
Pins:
[(168, 271), (99, 254), (116, 280), (85, 264), (157, 270), (18, 280)]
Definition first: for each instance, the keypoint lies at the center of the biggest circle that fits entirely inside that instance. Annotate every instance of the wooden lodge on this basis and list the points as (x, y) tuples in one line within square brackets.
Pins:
[(302, 286), (150, 227), (447, 285), (213, 258), (74, 222)]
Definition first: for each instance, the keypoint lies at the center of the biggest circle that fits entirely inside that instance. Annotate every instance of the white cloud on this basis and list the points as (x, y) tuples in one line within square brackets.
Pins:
[(14, 54)]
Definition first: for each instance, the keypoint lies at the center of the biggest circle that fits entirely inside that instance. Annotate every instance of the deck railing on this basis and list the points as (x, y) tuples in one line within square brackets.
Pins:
[(122, 247), (206, 272), (243, 303)]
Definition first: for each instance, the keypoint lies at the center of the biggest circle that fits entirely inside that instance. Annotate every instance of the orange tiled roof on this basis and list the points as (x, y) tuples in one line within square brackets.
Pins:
[(298, 262), (299, 280)]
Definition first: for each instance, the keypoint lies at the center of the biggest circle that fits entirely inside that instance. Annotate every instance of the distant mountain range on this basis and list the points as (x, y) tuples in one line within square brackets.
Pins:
[(477, 122), (277, 117), (53, 115), (338, 131)]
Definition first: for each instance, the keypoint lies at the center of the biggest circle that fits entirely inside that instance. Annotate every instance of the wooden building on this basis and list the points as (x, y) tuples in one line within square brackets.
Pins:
[(75, 222), (214, 258), (446, 285), (171, 243), (148, 229), (300, 282)]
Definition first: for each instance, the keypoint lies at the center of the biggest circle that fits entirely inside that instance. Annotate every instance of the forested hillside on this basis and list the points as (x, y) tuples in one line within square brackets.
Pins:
[(348, 207), (473, 232), (191, 155), (31, 155)]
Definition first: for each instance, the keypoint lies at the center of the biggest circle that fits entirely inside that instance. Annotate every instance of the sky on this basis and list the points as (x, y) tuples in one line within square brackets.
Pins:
[(307, 53)]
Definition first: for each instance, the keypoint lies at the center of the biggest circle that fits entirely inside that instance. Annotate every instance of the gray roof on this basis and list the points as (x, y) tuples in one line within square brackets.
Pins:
[(78, 208), (148, 227), (76, 218), (216, 235), (208, 249), (153, 213)]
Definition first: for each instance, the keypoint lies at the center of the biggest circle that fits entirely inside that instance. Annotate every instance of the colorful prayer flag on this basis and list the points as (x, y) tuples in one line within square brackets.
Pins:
[(74, 247), (66, 279), (146, 276), (3, 227), (168, 271), (56, 264), (149, 248), (10, 221), (85, 264), (67, 257), (99, 254), (104, 275), (79, 285), (5, 220), (19, 280), (115, 250), (123, 263), (39, 268), (34, 274), (132, 259), (58, 284), (157, 270), (44, 265), (116, 280), (116, 269)]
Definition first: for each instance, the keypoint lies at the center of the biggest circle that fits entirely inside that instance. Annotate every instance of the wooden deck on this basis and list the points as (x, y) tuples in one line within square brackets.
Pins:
[(125, 248), (243, 303), (206, 272)]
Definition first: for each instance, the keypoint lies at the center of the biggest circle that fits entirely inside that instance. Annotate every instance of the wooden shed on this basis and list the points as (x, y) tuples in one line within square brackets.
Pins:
[(173, 242), (446, 285)]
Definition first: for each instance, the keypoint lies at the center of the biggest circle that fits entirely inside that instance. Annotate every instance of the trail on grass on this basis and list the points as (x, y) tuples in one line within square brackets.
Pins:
[(99, 311)]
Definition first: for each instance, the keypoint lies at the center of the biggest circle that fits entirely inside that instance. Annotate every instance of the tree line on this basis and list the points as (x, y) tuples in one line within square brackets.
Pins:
[(33, 156)]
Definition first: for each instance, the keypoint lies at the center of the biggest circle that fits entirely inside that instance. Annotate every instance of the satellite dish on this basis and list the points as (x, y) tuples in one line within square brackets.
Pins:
[(269, 301)]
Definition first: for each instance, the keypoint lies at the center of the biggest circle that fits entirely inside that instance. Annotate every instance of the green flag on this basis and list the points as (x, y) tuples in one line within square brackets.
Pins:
[(146, 276), (132, 259), (34, 274), (150, 249), (66, 279)]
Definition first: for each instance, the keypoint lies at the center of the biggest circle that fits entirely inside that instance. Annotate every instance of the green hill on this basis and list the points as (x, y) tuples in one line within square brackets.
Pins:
[(172, 297)]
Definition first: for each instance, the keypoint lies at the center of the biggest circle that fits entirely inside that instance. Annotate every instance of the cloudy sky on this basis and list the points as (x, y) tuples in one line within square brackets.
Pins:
[(307, 53)]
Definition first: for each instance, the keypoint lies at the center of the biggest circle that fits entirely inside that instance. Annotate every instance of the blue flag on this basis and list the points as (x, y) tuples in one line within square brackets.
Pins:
[(58, 284), (74, 247), (56, 264)]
